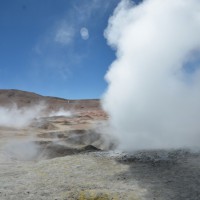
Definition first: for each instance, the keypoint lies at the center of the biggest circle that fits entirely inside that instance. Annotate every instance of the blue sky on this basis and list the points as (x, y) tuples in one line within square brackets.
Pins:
[(42, 50)]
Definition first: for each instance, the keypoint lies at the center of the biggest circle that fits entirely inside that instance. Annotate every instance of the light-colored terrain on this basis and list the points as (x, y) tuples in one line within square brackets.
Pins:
[(73, 158)]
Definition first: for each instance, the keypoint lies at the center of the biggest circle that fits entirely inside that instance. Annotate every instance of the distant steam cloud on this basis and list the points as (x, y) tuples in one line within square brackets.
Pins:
[(153, 97), (60, 112), (19, 117), (84, 33)]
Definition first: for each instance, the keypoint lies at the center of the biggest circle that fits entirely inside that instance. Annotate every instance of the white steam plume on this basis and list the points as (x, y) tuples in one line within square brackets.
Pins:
[(153, 97), (15, 117), (61, 112), (22, 149)]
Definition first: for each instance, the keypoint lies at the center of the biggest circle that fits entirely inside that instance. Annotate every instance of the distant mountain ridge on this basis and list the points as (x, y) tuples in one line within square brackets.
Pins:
[(25, 99)]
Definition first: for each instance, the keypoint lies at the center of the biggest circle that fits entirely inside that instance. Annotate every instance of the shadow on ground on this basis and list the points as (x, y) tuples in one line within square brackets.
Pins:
[(167, 175)]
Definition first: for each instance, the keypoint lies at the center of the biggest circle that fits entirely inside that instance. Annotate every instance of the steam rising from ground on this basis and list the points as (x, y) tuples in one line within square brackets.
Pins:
[(61, 112), (16, 117), (19, 117), (153, 97), (23, 149)]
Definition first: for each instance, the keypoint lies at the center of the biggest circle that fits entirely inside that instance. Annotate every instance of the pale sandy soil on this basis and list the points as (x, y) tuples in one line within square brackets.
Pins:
[(70, 177), (64, 165), (71, 158)]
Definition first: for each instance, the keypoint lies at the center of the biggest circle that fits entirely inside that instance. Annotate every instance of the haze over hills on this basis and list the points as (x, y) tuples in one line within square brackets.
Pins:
[(25, 99)]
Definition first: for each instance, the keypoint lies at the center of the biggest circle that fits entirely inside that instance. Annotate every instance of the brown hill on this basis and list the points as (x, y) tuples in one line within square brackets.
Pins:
[(26, 99)]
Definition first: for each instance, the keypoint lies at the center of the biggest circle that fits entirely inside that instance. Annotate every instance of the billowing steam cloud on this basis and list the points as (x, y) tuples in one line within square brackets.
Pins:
[(19, 117), (60, 112), (153, 97)]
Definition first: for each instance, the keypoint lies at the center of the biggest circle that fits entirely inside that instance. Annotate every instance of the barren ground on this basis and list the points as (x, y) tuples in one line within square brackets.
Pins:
[(61, 158)]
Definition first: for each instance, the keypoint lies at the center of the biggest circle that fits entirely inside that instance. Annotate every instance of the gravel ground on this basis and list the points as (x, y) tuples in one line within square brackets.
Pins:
[(153, 175), (166, 175), (36, 164), (82, 176)]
